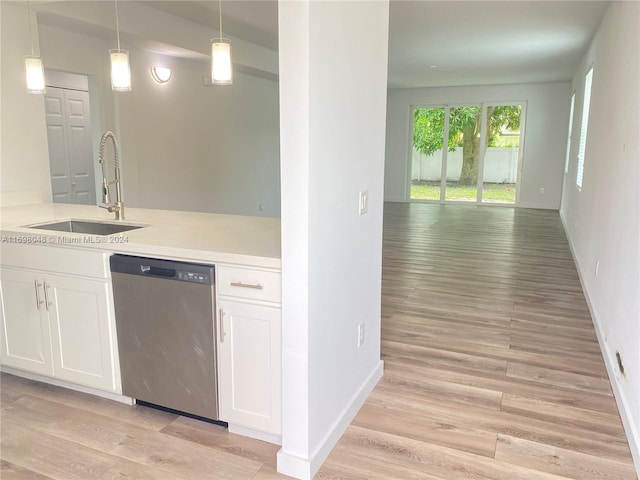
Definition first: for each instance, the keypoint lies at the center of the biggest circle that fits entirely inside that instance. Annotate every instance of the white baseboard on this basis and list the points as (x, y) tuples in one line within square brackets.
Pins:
[(633, 436), (71, 386), (538, 206), (305, 469), (258, 435)]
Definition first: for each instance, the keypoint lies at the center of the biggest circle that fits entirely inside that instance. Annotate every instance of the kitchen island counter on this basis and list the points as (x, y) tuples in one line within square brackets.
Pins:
[(188, 236)]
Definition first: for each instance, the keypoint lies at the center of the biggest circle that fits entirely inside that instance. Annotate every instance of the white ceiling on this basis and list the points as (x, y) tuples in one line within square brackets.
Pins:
[(253, 20), (439, 43)]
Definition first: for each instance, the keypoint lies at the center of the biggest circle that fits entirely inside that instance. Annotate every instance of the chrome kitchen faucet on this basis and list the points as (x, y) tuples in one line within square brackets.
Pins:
[(118, 206)]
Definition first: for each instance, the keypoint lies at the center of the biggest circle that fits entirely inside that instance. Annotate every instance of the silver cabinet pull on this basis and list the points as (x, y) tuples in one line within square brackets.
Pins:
[(222, 334), (255, 286), (47, 303), (38, 301)]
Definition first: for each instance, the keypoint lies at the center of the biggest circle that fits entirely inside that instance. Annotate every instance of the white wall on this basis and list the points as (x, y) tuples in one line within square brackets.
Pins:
[(24, 157), (190, 147), (544, 140), (332, 138), (603, 220)]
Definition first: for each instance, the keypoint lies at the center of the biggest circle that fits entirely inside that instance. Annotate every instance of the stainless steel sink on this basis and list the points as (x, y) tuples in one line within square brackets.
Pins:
[(86, 226)]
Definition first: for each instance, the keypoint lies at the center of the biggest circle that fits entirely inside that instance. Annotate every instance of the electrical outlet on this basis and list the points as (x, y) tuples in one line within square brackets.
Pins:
[(260, 207), (541, 189), (620, 365), (363, 203), (597, 267), (360, 334)]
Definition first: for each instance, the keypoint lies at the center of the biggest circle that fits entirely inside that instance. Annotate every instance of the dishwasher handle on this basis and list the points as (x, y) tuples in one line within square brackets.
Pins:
[(150, 271)]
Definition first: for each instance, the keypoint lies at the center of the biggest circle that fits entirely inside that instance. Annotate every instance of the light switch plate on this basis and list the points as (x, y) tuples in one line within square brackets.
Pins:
[(363, 204)]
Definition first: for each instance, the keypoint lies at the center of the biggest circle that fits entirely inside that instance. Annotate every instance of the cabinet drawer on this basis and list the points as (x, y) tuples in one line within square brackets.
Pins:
[(249, 283), (55, 259)]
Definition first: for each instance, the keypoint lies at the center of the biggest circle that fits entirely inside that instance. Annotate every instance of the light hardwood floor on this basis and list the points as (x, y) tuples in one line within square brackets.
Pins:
[(492, 371)]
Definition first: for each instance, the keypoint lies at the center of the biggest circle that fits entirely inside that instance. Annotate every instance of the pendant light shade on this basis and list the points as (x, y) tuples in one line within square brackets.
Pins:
[(35, 74), (33, 64), (221, 71), (120, 72)]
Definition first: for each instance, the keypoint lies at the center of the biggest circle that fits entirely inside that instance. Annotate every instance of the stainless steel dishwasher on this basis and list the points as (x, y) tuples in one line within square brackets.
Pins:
[(166, 334)]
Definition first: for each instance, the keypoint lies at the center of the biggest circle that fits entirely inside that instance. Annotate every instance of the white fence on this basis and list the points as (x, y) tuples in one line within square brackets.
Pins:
[(500, 165)]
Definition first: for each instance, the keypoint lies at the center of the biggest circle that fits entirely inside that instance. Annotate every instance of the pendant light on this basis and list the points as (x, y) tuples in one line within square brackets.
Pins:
[(33, 64), (120, 71), (221, 71)]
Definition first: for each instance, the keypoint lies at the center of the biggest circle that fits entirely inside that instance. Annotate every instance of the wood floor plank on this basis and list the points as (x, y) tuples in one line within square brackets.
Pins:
[(488, 386), (130, 442), (126, 470), (342, 465), (441, 462), (427, 428), (219, 438), (560, 414), (146, 417), (38, 452), (9, 471), (588, 440), (549, 376), (437, 357), (566, 463)]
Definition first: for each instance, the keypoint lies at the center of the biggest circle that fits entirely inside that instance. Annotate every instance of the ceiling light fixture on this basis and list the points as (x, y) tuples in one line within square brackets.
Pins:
[(120, 71), (161, 74), (33, 64), (221, 71)]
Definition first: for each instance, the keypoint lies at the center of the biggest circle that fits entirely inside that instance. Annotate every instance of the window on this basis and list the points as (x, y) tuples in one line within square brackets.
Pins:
[(583, 128), (566, 160)]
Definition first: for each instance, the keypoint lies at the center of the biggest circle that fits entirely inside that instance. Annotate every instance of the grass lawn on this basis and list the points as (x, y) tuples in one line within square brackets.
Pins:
[(493, 192)]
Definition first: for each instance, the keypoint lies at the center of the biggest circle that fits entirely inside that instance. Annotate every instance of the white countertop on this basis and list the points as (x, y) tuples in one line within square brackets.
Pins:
[(190, 236)]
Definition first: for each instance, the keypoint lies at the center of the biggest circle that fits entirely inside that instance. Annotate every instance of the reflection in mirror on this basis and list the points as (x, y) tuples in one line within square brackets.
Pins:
[(184, 146)]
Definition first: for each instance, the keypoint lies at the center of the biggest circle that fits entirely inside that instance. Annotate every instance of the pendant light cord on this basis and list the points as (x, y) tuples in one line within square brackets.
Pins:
[(117, 25), (220, 15), (30, 28)]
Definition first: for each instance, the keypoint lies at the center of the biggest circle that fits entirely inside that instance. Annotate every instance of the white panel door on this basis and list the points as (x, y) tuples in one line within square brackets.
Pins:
[(68, 118), (25, 334), (78, 117), (250, 365), (80, 330), (58, 149)]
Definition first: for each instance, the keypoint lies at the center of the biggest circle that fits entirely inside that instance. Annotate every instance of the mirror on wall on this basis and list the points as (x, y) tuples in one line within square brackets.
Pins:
[(186, 145)]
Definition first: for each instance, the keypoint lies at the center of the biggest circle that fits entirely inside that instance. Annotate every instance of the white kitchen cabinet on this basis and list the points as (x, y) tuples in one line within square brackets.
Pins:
[(56, 323), (25, 334), (249, 350), (80, 333)]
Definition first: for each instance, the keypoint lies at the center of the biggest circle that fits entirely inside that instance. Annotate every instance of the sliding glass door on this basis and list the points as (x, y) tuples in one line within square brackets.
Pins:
[(482, 158)]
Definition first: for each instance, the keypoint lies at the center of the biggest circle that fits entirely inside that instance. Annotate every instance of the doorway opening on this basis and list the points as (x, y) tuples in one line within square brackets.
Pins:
[(482, 161), (69, 137)]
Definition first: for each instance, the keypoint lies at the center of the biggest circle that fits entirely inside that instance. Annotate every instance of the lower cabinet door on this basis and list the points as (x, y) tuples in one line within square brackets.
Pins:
[(81, 333), (25, 335), (250, 365)]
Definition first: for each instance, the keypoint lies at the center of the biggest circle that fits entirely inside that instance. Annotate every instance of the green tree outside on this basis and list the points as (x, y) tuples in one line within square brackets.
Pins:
[(464, 131)]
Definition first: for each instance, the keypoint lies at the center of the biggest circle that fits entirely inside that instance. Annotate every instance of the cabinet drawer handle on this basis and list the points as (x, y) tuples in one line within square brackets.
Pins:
[(38, 301), (222, 334), (255, 286), (47, 303)]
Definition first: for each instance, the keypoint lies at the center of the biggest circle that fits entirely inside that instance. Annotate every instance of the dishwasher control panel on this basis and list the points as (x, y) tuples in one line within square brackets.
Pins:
[(163, 269), (194, 277)]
